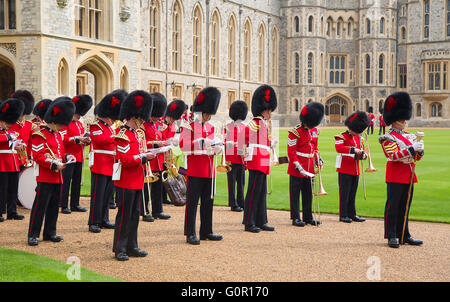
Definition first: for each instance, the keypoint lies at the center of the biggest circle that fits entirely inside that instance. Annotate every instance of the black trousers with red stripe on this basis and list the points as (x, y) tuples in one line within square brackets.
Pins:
[(72, 180), (303, 184), (394, 212), (9, 183), (236, 184), (255, 204), (127, 219), (348, 185), (199, 188), (101, 191), (45, 206)]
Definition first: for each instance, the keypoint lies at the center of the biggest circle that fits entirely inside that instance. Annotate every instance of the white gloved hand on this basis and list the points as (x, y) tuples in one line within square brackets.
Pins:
[(418, 146)]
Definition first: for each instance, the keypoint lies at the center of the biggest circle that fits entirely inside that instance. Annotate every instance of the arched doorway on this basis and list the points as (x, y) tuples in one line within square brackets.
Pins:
[(336, 109), (94, 77), (7, 78)]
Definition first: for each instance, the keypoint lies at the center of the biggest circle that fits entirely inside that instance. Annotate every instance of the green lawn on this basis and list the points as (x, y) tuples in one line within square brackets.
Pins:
[(18, 266), (431, 200)]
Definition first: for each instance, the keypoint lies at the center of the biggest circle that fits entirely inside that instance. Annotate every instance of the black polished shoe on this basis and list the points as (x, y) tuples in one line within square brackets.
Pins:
[(53, 238), (2, 219), (298, 222), (15, 216), (212, 237), (236, 209), (66, 211), (393, 242), (122, 256), (148, 218), (93, 228), (192, 239), (167, 201), (32, 241), (313, 222), (78, 209), (358, 219), (162, 216), (345, 219), (252, 229), (136, 252), (266, 227), (413, 241), (107, 225), (112, 206)]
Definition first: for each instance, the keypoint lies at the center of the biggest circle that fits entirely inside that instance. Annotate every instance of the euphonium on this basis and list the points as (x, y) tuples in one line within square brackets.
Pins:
[(371, 168), (171, 165)]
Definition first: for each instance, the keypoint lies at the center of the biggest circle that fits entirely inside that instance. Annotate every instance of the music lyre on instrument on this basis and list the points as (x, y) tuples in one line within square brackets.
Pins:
[(419, 137)]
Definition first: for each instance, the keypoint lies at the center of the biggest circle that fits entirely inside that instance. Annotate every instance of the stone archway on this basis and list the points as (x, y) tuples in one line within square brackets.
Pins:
[(94, 77), (336, 109), (7, 78)]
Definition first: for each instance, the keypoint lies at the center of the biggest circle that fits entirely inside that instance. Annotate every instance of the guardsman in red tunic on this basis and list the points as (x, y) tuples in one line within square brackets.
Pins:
[(174, 111), (351, 151), (302, 149), (10, 111), (258, 145), (128, 173), (234, 143), (75, 138), (154, 139), (101, 159), (50, 159), (198, 142), (382, 123), (372, 120), (401, 149)]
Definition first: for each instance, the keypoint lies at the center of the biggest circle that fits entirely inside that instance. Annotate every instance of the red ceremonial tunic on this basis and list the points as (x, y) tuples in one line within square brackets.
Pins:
[(372, 118), (169, 130), (154, 138), (301, 149), (234, 141), (128, 150), (200, 161), (43, 140), (103, 148), (258, 145), (8, 157), (69, 133), (397, 147), (382, 123), (345, 145), (24, 129)]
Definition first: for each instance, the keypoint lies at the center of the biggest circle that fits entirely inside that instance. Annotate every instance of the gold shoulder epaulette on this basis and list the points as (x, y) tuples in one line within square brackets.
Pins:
[(164, 126), (294, 130), (38, 133), (122, 135), (253, 126), (339, 136)]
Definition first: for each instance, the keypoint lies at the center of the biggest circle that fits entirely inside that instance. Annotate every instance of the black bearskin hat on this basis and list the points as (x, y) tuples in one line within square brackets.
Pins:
[(238, 110), (207, 101), (60, 111), (159, 104), (41, 108), (397, 107), (312, 114), (11, 110), (176, 109), (138, 104), (27, 98), (264, 98), (358, 121), (370, 110), (109, 106), (83, 103)]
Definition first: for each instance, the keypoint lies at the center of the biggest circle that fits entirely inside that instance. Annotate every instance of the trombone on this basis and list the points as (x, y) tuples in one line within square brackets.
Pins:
[(371, 168), (224, 166), (321, 191)]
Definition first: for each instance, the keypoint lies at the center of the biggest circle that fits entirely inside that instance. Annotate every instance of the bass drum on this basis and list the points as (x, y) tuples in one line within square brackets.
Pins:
[(27, 187)]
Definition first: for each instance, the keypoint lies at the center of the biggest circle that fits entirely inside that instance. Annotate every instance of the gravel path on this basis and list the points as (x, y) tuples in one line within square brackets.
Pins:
[(333, 252)]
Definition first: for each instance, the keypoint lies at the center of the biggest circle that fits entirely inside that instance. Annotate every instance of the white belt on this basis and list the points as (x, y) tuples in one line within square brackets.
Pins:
[(307, 155), (259, 146), (7, 152), (104, 152), (347, 154)]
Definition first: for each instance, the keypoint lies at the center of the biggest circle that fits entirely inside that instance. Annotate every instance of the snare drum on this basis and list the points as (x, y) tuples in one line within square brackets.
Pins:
[(27, 187)]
